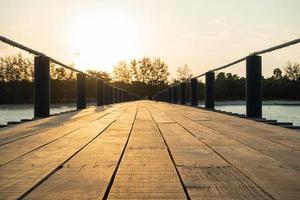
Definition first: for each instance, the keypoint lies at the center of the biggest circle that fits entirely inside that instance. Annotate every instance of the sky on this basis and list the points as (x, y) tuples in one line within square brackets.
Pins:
[(204, 34)]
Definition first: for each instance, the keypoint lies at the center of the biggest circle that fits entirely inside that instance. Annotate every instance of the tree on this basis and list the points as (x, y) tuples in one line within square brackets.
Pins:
[(277, 74), (121, 72), (16, 68), (159, 73), (57, 73), (145, 68), (135, 70), (292, 71), (153, 71), (100, 74), (184, 73)]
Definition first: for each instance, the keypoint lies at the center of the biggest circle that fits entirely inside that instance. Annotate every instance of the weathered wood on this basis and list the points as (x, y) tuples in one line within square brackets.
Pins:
[(146, 170), (254, 135), (81, 91), (274, 177), (19, 176), (253, 86), (194, 92), (85, 155), (210, 90), (87, 174), (205, 174), (100, 92), (13, 133), (282, 153), (41, 86), (23, 146)]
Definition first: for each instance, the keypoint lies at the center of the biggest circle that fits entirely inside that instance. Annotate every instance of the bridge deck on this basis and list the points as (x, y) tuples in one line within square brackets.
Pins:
[(148, 150)]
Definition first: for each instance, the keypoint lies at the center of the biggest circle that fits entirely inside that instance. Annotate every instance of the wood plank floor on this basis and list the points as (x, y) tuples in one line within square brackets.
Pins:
[(148, 150)]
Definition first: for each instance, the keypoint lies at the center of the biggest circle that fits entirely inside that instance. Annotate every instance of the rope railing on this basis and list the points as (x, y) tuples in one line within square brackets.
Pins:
[(38, 53), (280, 46), (253, 83), (42, 77)]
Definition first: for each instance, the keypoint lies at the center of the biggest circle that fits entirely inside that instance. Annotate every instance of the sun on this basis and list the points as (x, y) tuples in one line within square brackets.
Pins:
[(99, 42)]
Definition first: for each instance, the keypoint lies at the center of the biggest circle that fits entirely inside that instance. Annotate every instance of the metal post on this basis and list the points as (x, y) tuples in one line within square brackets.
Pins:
[(253, 87), (182, 93), (100, 92), (194, 92), (81, 91), (41, 86), (209, 90)]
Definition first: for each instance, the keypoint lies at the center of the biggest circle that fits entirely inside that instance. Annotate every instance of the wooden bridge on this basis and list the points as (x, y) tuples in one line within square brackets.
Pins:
[(148, 150)]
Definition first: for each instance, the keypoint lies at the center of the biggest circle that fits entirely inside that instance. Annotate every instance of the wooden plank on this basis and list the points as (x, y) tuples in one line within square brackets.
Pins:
[(19, 131), (146, 170), (273, 176), (276, 134), (236, 160), (204, 173), (18, 148), (88, 173), (280, 152), (19, 176), (252, 136), (39, 125)]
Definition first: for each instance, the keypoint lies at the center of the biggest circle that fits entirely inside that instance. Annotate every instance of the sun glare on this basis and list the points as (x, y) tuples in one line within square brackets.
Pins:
[(100, 42)]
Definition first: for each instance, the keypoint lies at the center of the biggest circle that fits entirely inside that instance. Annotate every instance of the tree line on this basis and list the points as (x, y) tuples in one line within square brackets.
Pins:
[(144, 77)]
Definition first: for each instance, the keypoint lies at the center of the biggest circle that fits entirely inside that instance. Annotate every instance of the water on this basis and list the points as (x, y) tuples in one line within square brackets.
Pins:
[(283, 111)]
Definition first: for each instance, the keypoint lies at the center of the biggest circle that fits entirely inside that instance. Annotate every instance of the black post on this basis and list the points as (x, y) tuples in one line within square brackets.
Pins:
[(115, 90), (166, 95), (106, 93), (253, 87), (209, 90), (81, 91), (194, 92), (41, 86), (111, 93), (120, 95), (117, 94), (178, 93), (100, 92), (124, 96), (174, 89), (182, 93), (169, 95)]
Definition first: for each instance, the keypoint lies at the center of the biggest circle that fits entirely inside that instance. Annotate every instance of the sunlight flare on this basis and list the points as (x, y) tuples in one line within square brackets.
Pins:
[(100, 42)]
